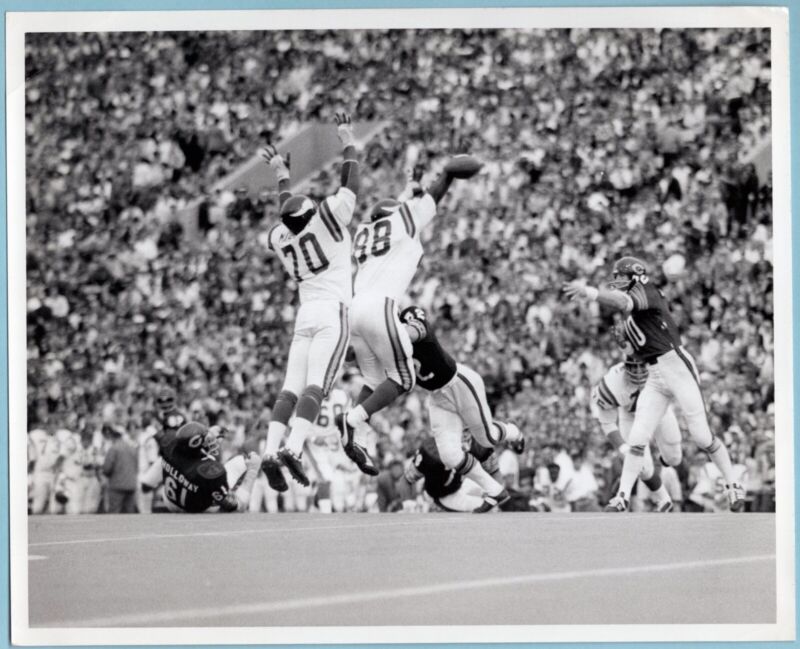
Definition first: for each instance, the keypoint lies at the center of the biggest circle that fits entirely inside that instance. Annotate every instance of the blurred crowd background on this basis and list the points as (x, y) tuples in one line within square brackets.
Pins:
[(596, 142)]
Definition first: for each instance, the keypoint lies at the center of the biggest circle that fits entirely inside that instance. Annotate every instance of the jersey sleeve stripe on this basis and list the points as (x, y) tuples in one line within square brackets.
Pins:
[(269, 237), (408, 220), (338, 353), (330, 221), (406, 378), (639, 297), (607, 394)]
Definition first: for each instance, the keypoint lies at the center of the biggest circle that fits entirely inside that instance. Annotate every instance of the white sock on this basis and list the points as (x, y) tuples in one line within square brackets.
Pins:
[(297, 436), (631, 469), (486, 482), (507, 431), (722, 459), (275, 432), (662, 495), (325, 506), (357, 416), (244, 490)]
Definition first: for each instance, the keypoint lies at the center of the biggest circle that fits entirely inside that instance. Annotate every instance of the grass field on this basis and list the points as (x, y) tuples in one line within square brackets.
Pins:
[(309, 569)]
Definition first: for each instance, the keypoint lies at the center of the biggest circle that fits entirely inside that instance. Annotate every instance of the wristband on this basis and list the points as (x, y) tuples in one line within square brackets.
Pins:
[(592, 293)]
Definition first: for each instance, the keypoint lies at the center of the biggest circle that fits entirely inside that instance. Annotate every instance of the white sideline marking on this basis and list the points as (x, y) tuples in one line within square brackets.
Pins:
[(136, 619), (263, 530)]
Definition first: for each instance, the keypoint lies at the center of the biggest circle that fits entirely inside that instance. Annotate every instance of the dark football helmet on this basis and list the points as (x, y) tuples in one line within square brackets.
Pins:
[(297, 211), (636, 371), (627, 271), (166, 400), (383, 208)]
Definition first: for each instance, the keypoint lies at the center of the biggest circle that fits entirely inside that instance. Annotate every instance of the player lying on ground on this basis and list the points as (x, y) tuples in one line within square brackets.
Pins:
[(313, 244), (457, 403), (194, 478), (614, 399), (450, 490), (387, 250), (672, 376)]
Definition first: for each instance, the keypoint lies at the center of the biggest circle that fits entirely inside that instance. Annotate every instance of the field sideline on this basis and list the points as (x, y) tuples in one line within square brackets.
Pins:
[(351, 569)]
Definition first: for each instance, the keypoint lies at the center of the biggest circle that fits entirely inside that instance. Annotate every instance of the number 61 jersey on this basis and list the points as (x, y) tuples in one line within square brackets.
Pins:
[(319, 257), (388, 250)]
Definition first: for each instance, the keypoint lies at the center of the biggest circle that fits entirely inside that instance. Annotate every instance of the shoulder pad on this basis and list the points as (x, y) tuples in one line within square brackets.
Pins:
[(210, 469)]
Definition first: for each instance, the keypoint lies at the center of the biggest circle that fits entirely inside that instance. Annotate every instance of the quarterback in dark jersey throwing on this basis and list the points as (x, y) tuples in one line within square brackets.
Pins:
[(457, 404), (194, 478), (672, 376)]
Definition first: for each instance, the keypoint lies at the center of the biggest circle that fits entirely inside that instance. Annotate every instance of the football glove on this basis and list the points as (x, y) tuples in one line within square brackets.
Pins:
[(344, 129), (270, 155)]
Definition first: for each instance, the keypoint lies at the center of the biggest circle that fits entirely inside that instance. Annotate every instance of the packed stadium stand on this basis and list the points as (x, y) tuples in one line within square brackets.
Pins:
[(597, 143)]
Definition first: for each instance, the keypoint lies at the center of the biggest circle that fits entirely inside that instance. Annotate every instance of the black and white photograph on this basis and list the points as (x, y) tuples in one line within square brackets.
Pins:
[(400, 325)]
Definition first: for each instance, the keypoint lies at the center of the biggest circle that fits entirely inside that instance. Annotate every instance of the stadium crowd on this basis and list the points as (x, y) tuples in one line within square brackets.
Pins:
[(596, 142)]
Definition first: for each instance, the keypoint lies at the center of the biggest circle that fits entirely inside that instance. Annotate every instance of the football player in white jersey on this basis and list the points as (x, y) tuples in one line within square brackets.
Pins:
[(387, 250), (324, 450), (47, 462), (614, 404), (67, 491), (313, 244)]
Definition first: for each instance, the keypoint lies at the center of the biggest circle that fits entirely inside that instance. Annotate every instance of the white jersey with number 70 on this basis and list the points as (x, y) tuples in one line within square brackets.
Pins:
[(318, 257)]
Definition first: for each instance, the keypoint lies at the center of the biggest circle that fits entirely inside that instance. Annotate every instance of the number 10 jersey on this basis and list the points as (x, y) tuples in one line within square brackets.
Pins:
[(318, 257)]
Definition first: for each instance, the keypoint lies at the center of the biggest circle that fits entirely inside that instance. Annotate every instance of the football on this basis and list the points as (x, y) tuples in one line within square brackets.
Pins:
[(464, 166)]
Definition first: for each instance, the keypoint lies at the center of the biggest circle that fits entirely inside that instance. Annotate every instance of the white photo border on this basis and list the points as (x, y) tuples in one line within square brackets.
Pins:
[(774, 18)]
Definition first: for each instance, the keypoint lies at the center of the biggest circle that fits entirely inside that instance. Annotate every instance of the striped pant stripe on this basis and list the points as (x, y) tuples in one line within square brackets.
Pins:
[(400, 359), (486, 426), (338, 353), (690, 367)]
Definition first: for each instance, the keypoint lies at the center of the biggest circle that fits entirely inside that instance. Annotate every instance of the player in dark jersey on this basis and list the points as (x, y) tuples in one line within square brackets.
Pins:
[(194, 478), (672, 378), (457, 404), (446, 486)]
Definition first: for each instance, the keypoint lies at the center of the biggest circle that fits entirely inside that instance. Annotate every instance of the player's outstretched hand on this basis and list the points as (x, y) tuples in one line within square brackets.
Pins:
[(576, 289), (413, 187), (344, 128), (270, 155), (253, 461), (463, 166)]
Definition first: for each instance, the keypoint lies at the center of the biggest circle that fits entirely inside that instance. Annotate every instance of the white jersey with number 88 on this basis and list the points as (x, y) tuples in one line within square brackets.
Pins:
[(387, 251)]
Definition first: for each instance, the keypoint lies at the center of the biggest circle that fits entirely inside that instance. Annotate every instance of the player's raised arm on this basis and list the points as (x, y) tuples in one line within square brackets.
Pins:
[(610, 297), (459, 167), (342, 204), (350, 177), (270, 155)]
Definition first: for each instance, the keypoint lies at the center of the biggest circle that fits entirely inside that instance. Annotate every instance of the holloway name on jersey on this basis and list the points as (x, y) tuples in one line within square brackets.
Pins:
[(194, 479)]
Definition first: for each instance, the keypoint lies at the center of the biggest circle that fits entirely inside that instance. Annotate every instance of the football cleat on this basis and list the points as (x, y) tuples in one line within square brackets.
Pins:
[(271, 466), (617, 504), (664, 507), (736, 497), (490, 502), (295, 466), (357, 453)]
